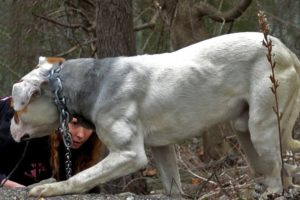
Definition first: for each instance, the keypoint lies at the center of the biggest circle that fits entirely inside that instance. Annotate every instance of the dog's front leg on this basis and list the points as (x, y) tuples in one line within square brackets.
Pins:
[(126, 155), (116, 164)]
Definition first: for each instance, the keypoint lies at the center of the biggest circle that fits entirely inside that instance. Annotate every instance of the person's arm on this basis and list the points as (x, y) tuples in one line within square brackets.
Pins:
[(9, 183)]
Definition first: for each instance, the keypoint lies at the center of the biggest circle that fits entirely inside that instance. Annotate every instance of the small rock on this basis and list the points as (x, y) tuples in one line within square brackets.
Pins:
[(130, 198)]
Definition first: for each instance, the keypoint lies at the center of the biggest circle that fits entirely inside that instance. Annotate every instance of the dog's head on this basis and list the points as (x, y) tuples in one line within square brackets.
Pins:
[(35, 113)]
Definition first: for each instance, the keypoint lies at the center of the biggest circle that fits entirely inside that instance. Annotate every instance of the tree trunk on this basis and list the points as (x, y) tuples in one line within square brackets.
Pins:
[(115, 37), (114, 28)]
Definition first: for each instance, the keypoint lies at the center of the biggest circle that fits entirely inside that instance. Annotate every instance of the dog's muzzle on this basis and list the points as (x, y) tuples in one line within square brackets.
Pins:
[(25, 138)]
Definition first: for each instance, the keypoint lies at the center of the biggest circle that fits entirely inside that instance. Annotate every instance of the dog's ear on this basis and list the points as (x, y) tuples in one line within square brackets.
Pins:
[(22, 93), (30, 85), (47, 62), (42, 60), (54, 60)]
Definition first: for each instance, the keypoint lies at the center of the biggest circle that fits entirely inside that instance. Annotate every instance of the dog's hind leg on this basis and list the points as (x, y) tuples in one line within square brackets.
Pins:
[(265, 139), (165, 158), (240, 125), (257, 133)]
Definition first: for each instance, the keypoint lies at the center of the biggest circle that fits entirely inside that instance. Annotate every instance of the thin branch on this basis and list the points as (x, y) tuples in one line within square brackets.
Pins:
[(91, 3), (218, 190), (220, 185), (2, 63), (73, 26), (136, 18), (56, 12), (205, 9), (125, 187), (147, 41), (150, 24), (75, 47), (285, 23), (194, 174)]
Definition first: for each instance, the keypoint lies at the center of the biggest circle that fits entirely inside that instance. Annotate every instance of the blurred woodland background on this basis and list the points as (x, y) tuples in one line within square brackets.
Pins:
[(102, 28), (68, 28)]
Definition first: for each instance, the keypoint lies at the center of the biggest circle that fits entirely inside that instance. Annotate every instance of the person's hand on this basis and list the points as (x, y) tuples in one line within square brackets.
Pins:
[(12, 184)]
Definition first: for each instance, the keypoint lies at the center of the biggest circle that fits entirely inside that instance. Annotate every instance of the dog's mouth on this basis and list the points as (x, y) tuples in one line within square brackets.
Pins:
[(25, 137)]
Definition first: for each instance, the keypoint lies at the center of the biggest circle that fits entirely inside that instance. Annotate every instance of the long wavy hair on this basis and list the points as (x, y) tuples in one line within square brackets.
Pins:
[(91, 152)]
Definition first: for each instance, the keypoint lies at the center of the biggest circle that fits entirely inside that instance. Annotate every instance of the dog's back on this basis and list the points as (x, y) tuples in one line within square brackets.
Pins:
[(184, 91), (203, 84)]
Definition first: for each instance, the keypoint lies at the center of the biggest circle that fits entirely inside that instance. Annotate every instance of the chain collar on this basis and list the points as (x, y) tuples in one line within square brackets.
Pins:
[(64, 115)]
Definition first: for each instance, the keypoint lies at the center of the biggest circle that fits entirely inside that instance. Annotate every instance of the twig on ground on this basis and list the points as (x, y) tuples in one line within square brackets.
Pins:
[(192, 173), (220, 185)]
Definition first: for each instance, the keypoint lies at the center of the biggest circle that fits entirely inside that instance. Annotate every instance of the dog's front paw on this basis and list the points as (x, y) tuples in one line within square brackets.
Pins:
[(49, 180), (52, 189)]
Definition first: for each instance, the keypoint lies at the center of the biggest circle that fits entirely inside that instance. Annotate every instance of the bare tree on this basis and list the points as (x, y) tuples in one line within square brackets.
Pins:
[(184, 18), (114, 28), (116, 37)]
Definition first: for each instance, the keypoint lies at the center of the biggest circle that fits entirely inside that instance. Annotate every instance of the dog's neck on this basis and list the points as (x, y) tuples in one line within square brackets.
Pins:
[(55, 91)]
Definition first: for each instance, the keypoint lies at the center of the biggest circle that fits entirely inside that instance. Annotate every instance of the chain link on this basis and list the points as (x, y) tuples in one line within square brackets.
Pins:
[(60, 101)]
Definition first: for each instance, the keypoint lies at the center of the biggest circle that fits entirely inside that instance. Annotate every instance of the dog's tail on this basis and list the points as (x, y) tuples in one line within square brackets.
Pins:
[(296, 62)]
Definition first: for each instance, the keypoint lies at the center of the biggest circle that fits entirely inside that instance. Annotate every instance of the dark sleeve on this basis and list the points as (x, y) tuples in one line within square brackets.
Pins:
[(6, 111), (10, 150), (4, 131), (3, 105), (7, 143), (2, 176)]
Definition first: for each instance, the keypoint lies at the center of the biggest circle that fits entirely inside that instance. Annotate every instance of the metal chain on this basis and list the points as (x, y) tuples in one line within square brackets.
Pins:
[(64, 116)]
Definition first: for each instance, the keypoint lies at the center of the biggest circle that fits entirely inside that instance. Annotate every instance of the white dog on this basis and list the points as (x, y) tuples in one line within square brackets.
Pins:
[(158, 100)]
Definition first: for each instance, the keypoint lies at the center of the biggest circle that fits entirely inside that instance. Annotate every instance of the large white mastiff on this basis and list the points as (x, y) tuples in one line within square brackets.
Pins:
[(159, 100)]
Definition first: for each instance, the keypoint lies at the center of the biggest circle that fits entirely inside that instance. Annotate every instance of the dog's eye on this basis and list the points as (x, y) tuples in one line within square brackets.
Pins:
[(16, 118)]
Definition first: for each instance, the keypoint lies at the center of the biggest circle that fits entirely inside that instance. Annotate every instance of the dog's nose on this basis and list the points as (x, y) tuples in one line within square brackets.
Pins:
[(25, 137)]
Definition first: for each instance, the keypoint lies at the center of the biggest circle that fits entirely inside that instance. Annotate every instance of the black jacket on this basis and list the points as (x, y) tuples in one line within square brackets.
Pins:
[(35, 165)]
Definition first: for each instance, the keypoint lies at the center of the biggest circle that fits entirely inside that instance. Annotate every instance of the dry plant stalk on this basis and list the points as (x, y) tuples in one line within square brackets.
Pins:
[(267, 42)]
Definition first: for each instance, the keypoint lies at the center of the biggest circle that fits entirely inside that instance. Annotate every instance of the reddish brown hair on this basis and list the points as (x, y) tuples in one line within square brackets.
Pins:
[(88, 157)]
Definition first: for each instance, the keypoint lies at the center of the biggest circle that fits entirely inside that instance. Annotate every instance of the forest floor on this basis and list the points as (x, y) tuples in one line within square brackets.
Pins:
[(227, 178)]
